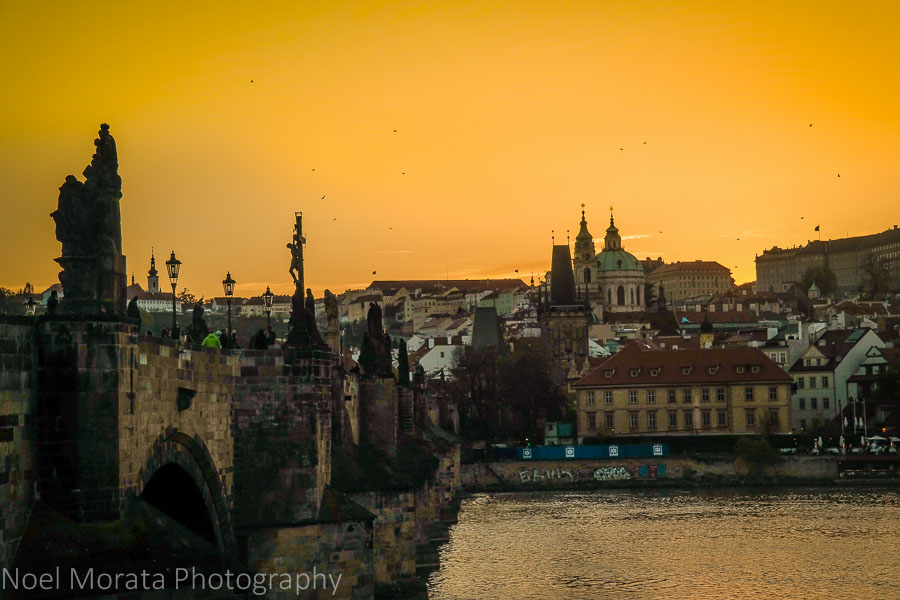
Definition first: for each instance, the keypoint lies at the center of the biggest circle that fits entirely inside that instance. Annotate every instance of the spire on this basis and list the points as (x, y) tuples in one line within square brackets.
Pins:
[(152, 272), (583, 233), (613, 241)]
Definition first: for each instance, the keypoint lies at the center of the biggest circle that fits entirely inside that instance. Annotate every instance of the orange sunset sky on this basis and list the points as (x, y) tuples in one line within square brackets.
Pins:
[(508, 116)]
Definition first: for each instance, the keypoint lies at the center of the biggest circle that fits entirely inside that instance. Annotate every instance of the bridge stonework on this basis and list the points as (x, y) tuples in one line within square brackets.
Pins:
[(91, 411)]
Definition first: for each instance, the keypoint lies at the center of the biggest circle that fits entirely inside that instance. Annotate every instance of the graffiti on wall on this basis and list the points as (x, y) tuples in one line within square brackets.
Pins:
[(549, 475), (611, 473)]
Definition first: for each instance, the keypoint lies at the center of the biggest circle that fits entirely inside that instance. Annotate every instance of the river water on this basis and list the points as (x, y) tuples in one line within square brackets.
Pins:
[(729, 543)]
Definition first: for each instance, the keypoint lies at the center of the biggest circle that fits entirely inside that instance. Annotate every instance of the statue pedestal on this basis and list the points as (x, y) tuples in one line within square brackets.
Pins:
[(93, 284)]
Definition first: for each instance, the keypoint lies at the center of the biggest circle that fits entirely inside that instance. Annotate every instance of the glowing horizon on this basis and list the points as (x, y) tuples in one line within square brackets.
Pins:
[(508, 117)]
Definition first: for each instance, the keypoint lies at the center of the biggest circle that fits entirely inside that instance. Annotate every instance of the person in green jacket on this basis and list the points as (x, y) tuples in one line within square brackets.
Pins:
[(211, 340)]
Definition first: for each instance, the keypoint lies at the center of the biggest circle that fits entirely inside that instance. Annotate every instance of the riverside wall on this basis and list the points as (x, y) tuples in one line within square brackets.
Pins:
[(637, 472)]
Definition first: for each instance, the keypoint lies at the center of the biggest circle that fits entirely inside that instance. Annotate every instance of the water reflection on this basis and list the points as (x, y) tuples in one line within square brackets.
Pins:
[(799, 543)]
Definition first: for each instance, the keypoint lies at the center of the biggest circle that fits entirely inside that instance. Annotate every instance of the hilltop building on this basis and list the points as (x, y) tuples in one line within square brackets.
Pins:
[(777, 269), (683, 280)]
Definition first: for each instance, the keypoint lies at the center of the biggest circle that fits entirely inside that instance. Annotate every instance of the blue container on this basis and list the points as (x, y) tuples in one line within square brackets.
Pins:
[(576, 452)]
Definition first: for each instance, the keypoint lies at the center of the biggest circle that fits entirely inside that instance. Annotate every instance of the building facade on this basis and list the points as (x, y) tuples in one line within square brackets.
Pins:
[(821, 374), (647, 390), (777, 269), (700, 278)]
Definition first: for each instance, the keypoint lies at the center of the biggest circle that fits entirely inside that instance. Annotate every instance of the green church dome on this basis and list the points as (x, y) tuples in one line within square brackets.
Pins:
[(617, 260)]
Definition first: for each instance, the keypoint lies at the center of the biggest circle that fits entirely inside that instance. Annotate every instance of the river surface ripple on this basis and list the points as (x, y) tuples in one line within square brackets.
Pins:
[(729, 543)]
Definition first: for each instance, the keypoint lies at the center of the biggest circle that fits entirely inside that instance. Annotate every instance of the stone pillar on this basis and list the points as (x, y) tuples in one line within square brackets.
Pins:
[(80, 390)]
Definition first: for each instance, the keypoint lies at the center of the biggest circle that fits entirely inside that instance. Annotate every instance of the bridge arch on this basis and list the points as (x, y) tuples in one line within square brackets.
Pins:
[(179, 478)]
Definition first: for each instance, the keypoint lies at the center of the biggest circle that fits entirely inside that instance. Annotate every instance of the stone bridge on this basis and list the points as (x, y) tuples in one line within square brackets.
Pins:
[(234, 445)]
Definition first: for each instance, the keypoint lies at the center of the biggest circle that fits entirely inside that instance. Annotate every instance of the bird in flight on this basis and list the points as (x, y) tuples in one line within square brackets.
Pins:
[(810, 124), (403, 173), (312, 169), (334, 219), (839, 174), (395, 131), (645, 142), (323, 196), (801, 218), (621, 148)]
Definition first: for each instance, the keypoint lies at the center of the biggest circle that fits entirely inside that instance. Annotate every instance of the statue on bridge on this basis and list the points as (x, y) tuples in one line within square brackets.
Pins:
[(88, 223)]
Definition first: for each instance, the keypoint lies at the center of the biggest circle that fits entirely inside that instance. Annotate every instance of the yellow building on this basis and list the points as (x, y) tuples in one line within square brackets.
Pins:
[(645, 390)]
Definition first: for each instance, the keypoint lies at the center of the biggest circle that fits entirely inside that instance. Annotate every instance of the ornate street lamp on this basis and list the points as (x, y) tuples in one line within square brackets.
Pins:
[(228, 284), (173, 266), (268, 300)]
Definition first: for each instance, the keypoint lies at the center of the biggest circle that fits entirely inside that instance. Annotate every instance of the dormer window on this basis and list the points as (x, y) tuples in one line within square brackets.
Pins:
[(685, 370), (609, 373), (754, 369), (654, 372), (739, 369), (635, 372), (713, 370)]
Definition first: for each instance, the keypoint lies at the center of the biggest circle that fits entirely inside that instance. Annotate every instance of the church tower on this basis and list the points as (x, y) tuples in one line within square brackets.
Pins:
[(585, 263), (152, 275)]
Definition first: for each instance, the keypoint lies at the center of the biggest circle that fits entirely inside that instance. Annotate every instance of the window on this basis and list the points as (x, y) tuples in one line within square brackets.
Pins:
[(632, 396), (721, 418), (686, 395), (754, 369), (782, 357), (813, 403), (720, 394), (442, 354), (635, 372), (654, 372), (673, 419), (671, 398), (685, 370), (748, 394), (607, 397), (826, 403), (704, 395), (750, 416), (713, 370), (609, 420), (651, 396), (824, 381), (802, 423), (590, 398), (608, 373), (633, 420), (739, 369), (592, 420), (800, 383), (651, 420), (812, 382), (801, 403), (705, 418), (773, 393), (688, 418)]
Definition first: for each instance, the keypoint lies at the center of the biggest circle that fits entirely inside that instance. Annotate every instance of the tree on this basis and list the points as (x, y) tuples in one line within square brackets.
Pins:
[(503, 396), (6, 301), (887, 386), (474, 388), (186, 297), (823, 277), (875, 276), (527, 393), (757, 453)]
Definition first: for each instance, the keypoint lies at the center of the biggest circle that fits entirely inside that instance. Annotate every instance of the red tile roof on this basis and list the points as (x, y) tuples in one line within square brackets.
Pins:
[(697, 265), (439, 285), (636, 364)]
